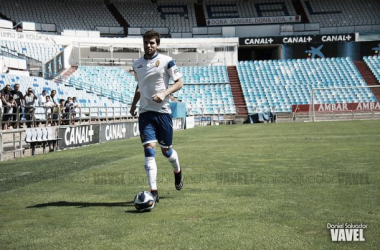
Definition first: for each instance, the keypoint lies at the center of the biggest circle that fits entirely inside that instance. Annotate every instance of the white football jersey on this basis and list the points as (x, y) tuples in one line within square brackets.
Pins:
[(153, 77)]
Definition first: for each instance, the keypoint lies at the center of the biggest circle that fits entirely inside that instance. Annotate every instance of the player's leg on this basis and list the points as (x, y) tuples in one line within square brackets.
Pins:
[(151, 168), (165, 138), (148, 139), (172, 156)]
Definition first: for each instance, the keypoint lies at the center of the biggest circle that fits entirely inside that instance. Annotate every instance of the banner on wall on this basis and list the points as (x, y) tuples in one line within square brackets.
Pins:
[(115, 131), (252, 21), (338, 107), (78, 136), (297, 39), (25, 37)]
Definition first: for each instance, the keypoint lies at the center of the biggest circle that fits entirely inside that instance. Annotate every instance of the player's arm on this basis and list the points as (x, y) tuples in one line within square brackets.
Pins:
[(159, 97), (174, 88), (178, 82), (136, 98)]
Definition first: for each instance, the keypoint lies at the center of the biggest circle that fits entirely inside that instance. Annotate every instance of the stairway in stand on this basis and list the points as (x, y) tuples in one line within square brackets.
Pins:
[(368, 77), (119, 17), (70, 71), (300, 11), (64, 77), (237, 92), (199, 15)]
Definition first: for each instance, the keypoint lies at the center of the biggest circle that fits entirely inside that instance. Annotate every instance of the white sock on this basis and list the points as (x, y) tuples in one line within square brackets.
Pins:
[(173, 159), (151, 172)]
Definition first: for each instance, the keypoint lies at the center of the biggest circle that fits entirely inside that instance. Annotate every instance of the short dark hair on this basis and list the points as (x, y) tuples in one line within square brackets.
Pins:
[(152, 34)]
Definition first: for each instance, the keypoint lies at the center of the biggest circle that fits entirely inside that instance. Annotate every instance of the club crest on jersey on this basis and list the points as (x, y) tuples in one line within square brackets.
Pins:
[(157, 63)]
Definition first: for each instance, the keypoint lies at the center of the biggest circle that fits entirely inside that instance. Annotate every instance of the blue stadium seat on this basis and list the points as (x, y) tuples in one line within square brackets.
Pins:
[(283, 83)]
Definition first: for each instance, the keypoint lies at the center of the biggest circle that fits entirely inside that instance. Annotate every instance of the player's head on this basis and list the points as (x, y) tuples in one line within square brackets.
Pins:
[(150, 34), (151, 43)]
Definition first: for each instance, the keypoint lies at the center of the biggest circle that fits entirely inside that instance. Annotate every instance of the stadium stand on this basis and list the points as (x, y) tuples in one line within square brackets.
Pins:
[(110, 81), (68, 14), (204, 74), (342, 13), (177, 16), (368, 70), (206, 91), (38, 51), (207, 99), (283, 83), (38, 84), (374, 65), (241, 8), (181, 16)]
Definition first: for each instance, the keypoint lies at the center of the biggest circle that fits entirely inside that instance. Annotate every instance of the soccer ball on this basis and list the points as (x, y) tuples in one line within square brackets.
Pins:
[(144, 201)]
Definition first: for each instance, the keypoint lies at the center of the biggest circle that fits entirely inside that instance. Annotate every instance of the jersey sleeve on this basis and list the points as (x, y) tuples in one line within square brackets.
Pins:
[(173, 71), (135, 75)]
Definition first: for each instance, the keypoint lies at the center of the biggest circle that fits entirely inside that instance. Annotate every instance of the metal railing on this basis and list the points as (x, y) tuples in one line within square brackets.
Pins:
[(96, 89), (39, 115)]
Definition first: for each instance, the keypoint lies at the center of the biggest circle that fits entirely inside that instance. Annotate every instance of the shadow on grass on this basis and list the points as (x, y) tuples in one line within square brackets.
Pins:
[(82, 204), (86, 204), (136, 212)]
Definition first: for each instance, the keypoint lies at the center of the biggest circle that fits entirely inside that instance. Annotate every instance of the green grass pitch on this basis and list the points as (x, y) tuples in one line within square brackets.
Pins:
[(262, 186)]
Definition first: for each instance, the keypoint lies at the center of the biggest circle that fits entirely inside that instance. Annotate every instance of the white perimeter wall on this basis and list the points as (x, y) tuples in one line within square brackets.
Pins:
[(204, 45)]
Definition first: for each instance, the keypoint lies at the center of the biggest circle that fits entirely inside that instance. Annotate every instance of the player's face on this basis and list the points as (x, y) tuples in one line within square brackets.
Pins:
[(150, 47)]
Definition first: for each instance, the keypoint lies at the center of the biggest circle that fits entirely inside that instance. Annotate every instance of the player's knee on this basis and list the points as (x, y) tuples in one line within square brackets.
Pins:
[(167, 152), (149, 152)]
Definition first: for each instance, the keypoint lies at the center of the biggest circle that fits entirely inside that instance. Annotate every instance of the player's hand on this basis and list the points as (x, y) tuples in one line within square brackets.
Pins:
[(132, 111), (158, 97)]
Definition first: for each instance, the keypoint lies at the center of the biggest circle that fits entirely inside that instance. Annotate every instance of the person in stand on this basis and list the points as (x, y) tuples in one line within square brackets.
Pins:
[(52, 96), (19, 99), (5, 96), (9, 114), (49, 105), (68, 107), (62, 111), (55, 109), (42, 98), (30, 99), (152, 72), (75, 109)]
